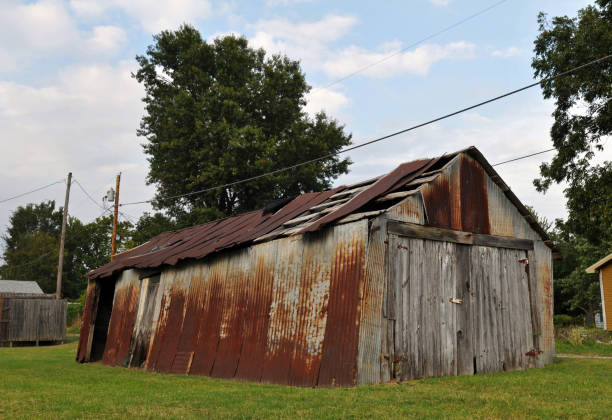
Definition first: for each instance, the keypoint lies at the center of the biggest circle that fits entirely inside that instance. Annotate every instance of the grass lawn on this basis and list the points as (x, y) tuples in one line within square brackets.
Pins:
[(595, 349), (46, 382)]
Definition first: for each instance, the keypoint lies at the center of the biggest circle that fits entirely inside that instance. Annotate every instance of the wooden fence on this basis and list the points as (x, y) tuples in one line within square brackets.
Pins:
[(31, 319)]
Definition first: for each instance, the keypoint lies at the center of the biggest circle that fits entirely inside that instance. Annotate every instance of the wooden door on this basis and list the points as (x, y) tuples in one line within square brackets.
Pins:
[(457, 308)]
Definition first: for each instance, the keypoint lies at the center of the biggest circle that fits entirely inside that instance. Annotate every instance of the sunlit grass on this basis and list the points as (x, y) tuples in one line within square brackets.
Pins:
[(46, 382)]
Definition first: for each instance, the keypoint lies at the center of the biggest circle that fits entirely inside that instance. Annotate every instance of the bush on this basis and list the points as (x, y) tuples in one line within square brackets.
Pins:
[(562, 320), (577, 336), (73, 313)]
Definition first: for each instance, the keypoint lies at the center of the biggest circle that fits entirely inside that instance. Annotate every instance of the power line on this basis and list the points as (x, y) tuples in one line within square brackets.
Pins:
[(376, 140), (525, 156), (32, 191), (427, 38)]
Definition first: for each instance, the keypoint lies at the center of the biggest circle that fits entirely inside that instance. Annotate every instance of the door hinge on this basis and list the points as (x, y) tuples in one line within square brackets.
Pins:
[(458, 301), (524, 260)]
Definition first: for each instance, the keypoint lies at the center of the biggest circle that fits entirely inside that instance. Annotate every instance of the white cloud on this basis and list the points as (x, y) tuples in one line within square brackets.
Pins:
[(46, 29), (306, 41), (84, 121), (416, 61), (507, 52), (107, 38), (441, 2), (272, 3), (152, 16), (323, 99)]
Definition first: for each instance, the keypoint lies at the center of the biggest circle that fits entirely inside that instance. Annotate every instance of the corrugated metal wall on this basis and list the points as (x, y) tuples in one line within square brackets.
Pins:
[(286, 311)]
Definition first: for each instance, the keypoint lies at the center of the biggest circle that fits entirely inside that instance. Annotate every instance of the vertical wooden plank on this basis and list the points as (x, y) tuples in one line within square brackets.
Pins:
[(464, 330), (404, 310), (415, 326), (533, 303)]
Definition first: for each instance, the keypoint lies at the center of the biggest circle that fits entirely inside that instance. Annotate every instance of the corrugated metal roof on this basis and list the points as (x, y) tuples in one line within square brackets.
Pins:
[(199, 241), (306, 213), (20, 286)]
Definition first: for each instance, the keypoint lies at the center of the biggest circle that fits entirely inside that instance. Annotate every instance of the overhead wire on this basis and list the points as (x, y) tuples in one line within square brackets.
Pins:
[(379, 139), (414, 44), (32, 191), (524, 157)]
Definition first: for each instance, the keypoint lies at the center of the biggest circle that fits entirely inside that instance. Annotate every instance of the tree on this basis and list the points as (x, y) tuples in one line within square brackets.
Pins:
[(32, 246), (582, 124), (220, 112), (583, 112), (149, 226)]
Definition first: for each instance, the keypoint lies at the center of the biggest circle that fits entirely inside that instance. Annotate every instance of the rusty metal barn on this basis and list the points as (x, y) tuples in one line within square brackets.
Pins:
[(434, 269), (28, 316)]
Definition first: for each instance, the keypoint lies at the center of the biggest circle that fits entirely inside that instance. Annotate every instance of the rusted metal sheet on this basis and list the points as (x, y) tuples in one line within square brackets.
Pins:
[(370, 355), (212, 315), (474, 200), (122, 319), (257, 317), (199, 241), (340, 343), (87, 321), (283, 311), (408, 210), (436, 196), (231, 332), (396, 179), (313, 307)]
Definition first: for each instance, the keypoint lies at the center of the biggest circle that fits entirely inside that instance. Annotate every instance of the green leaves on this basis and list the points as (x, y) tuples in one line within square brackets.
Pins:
[(221, 112)]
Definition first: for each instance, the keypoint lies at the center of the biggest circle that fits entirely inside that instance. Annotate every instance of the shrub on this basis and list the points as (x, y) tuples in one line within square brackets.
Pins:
[(562, 320)]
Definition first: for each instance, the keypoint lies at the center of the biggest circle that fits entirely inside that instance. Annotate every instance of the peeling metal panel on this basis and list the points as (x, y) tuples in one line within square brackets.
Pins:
[(231, 332), (340, 344), (370, 355), (474, 201), (257, 317), (313, 307), (122, 319), (436, 196), (408, 210), (284, 311), (208, 338), (87, 321)]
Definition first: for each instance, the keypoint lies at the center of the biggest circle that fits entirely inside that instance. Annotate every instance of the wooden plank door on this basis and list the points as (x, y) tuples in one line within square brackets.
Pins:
[(457, 309)]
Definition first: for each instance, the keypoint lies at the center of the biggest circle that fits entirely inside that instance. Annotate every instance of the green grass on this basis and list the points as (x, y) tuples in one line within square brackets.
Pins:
[(46, 382), (594, 349)]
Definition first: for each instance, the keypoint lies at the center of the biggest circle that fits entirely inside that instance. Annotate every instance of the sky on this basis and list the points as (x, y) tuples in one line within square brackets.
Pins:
[(68, 101)]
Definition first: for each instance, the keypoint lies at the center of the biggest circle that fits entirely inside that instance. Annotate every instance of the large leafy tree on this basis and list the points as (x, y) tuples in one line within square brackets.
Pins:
[(222, 111), (582, 125)]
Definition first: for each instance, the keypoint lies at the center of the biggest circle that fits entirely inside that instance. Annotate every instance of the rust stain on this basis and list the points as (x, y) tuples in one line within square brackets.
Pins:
[(87, 320), (212, 315), (340, 343), (408, 210), (474, 199), (250, 366), (313, 307), (121, 324), (436, 195)]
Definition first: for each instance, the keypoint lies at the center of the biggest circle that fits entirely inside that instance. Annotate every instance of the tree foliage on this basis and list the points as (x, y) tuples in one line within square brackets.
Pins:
[(582, 115), (32, 246), (582, 125), (220, 112)]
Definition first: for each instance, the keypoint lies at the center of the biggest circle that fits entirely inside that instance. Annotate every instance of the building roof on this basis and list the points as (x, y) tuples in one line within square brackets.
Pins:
[(305, 213), (599, 264), (20, 286)]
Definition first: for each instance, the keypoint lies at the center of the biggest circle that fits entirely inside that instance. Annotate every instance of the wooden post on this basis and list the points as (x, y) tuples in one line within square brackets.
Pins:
[(116, 214), (60, 263)]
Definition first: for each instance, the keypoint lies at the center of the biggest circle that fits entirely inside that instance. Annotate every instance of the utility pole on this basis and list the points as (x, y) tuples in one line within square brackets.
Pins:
[(116, 214), (60, 263)]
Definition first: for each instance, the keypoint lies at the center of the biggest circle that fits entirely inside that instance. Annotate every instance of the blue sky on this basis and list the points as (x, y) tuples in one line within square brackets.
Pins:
[(68, 103)]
